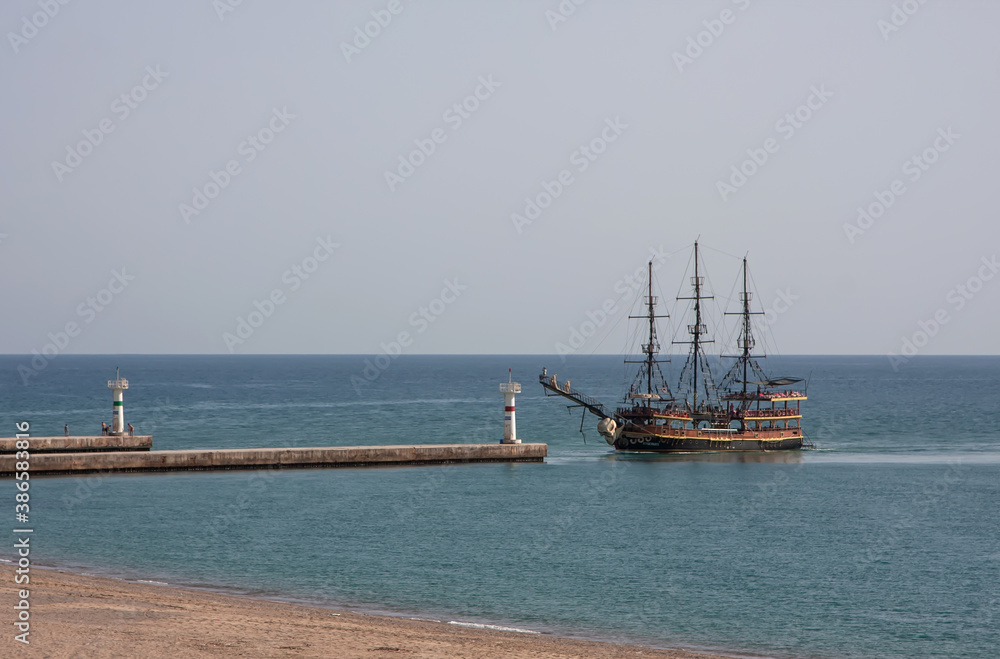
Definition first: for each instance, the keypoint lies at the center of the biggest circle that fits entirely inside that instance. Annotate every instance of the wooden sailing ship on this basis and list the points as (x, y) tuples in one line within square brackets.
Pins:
[(745, 411)]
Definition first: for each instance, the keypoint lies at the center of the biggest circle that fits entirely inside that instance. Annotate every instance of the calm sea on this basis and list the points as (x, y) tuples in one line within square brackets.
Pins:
[(884, 541)]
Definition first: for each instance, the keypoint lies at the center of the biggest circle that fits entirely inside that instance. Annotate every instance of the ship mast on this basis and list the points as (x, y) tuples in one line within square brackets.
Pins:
[(696, 360), (652, 347), (652, 333), (696, 334), (746, 358), (747, 338)]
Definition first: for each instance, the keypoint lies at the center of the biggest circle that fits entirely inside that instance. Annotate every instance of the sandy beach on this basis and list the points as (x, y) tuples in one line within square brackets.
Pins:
[(74, 615)]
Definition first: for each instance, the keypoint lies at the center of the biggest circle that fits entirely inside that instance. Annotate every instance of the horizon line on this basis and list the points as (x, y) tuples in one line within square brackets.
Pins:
[(463, 354)]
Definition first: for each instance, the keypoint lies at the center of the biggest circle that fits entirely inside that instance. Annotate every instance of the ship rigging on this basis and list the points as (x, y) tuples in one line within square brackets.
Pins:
[(736, 414)]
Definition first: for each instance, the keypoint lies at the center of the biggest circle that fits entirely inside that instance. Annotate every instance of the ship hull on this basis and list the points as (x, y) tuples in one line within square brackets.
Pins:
[(666, 444)]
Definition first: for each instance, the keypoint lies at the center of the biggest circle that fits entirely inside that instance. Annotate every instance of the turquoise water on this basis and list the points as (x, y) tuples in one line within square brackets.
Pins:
[(882, 542)]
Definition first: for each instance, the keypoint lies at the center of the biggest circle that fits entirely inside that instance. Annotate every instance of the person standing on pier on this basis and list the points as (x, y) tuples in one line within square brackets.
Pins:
[(66, 430), (104, 428), (131, 430)]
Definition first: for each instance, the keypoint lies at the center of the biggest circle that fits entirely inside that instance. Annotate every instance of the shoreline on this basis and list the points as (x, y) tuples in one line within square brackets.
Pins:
[(107, 616)]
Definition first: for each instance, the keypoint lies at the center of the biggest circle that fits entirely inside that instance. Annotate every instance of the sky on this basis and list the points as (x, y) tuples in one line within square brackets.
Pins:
[(473, 176)]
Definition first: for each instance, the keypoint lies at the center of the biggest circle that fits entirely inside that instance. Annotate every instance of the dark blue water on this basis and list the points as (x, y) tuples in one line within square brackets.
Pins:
[(882, 542)]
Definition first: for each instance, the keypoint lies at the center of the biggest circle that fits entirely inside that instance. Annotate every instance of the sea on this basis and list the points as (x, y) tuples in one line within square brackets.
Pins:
[(882, 541)]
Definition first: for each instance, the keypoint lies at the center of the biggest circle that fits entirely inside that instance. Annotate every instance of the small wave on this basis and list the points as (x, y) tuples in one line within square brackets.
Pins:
[(476, 625)]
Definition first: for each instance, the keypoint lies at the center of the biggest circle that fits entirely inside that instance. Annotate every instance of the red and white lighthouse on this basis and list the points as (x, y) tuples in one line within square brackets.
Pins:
[(508, 389)]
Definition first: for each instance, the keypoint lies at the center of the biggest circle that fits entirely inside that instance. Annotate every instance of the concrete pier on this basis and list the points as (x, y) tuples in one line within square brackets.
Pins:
[(271, 458), (81, 443)]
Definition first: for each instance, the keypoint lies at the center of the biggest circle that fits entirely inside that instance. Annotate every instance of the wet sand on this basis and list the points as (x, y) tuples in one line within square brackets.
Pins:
[(82, 616)]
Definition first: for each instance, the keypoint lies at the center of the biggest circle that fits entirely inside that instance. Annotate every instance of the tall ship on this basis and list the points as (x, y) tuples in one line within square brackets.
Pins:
[(744, 411)]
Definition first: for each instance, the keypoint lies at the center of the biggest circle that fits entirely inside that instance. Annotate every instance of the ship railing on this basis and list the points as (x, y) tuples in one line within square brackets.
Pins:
[(781, 412), (550, 383), (638, 410), (763, 395)]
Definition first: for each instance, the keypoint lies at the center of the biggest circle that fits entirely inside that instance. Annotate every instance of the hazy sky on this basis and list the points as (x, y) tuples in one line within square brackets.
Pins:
[(629, 121)]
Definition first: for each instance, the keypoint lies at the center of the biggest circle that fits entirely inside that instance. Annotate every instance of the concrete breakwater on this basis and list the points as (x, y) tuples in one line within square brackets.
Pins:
[(271, 458), (81, 443)]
